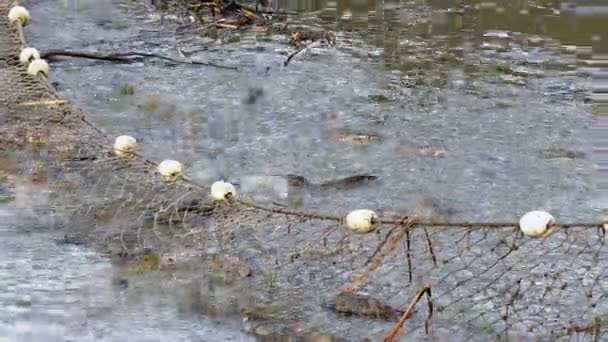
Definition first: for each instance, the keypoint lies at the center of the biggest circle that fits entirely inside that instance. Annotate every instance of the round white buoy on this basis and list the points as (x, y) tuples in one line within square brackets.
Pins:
[(220, 190), (124, 145), (170, 170), (38, 66), (28, 54), (362, 221), (537, 223), (19, 13)]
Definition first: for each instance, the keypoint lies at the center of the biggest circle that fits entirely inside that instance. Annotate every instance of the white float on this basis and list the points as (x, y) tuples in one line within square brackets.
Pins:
[(28, 55), (124, 145), (362, 221), (38, 66), (220, 190), (537, 223), (170, 170)]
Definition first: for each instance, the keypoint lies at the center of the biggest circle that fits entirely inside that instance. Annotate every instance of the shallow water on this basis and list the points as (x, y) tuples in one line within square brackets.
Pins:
[(443, 84), (493, 128), (58, 292)]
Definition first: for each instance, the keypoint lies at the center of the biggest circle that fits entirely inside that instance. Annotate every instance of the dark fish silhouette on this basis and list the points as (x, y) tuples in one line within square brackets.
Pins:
[(347, 183), (351, 304)]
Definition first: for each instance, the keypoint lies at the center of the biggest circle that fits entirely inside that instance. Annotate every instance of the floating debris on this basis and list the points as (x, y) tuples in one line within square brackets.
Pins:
[(143, 263), (562, 153), (228, 268), (357, 138), (422, 151), (497, 34)]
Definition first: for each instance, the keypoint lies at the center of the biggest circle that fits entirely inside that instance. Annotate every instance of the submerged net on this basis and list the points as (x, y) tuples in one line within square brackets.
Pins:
[(479, 280)]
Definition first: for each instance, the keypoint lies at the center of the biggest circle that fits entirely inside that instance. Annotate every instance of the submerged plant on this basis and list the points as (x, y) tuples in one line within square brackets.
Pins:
[(147, 263), (127, 90)]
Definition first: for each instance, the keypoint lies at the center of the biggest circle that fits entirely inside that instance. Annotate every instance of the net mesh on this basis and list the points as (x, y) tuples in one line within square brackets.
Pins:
[(483, 281)]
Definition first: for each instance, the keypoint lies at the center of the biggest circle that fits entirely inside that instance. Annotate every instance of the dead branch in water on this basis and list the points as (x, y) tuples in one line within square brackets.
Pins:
[(292, 55), (125, 57), (398, 328)]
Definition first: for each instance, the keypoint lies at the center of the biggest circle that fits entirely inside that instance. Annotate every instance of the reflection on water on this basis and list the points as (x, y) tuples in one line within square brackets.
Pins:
[(573, 22), (390, 25), (447, 46)]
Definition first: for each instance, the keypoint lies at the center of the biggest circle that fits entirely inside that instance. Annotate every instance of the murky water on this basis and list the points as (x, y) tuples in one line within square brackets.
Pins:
[(434, 84), (494, 87), (52, 291)]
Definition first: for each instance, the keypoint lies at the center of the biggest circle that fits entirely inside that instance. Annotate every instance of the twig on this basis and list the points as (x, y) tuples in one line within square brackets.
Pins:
[(126, 57), (326, 233), (293, 54), (406, 224), (396, 330), (384, 241), (226, 26), (430, 245), (41, 103), (326, 217), (409, 256)]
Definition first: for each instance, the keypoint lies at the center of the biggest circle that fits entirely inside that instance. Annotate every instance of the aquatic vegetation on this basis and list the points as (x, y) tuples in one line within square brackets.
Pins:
[(271, 280), (127, 90), (504, 69), (151, 104), (357, 138), (227, 269), (148, 262), (562, 153)]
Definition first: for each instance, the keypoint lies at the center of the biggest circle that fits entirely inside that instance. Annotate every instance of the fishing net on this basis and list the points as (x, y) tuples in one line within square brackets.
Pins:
[(474, 281)]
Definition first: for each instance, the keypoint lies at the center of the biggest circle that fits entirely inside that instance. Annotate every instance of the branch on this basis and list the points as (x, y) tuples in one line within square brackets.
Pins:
[(293, 54), (125, 57), (410, 310)]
